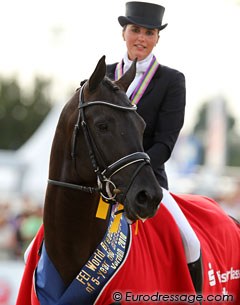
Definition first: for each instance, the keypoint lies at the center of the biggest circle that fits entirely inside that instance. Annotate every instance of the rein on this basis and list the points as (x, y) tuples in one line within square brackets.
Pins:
[(106, 186)]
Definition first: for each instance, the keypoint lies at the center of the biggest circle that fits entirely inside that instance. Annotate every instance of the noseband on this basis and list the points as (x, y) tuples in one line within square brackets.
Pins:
[(104, 178)]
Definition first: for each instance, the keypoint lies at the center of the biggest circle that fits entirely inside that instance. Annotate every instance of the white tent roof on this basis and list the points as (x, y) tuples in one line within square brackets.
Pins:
[(26, 170), (35, 154)]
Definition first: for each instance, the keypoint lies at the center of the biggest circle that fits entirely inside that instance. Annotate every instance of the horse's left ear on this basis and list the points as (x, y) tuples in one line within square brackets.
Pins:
[(125, 81), (98, 74)]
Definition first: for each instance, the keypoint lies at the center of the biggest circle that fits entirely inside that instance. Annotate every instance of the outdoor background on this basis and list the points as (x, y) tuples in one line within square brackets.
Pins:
[(49, 46)]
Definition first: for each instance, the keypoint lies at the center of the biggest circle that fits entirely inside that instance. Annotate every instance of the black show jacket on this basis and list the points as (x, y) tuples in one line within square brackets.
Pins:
[(162, 107)]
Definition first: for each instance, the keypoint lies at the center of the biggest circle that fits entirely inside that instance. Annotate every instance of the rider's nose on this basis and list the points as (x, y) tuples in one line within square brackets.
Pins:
[(141, 36)]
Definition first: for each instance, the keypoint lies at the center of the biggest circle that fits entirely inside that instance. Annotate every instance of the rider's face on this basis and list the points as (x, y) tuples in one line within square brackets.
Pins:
[(140, 41)]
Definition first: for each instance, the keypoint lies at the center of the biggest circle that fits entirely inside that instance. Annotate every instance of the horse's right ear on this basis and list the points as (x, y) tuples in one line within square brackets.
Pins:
[(125, 81), (98, 74)]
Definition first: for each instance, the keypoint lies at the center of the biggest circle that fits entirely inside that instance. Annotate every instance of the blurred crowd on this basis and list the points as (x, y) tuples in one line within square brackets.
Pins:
[(18, 226)]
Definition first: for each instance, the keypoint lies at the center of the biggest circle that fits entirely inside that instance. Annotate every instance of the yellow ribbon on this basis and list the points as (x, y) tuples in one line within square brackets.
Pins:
[(136, 227), (116, 220), (102, 209)]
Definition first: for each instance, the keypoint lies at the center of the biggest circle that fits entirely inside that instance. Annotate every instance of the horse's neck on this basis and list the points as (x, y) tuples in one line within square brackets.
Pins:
[(72, 231)]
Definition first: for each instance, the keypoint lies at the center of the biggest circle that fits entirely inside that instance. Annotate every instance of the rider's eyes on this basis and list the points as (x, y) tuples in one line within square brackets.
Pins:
[(135, 30)]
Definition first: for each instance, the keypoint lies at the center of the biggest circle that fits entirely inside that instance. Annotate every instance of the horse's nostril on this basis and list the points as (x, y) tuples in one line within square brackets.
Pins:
[(142, 197)]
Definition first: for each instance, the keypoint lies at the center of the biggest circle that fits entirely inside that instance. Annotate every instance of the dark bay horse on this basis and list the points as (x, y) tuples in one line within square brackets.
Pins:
[(97, 161), (98, 146)]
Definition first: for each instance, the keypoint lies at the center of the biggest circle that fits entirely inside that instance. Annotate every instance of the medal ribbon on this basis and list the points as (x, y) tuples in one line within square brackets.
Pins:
[(144, 81)]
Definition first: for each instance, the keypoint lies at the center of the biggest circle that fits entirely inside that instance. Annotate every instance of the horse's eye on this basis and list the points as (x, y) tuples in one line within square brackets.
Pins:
[(102, 127)]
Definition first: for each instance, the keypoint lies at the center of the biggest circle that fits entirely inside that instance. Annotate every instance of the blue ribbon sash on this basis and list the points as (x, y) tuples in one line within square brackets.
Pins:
[(89, 282)]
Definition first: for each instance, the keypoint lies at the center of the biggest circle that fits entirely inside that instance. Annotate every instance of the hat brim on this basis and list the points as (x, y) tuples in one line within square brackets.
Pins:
[(126, 20)]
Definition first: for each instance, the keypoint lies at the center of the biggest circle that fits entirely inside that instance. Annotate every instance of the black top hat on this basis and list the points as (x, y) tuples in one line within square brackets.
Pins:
[(144, 14)]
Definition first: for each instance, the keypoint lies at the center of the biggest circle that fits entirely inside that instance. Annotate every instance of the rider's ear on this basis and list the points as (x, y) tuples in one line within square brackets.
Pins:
[(123, 35)]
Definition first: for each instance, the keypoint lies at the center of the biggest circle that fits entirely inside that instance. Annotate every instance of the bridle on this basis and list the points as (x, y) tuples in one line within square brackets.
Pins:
[(106, 186)]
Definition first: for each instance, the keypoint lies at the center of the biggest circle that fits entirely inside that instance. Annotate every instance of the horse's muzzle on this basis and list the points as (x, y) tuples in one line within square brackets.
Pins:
[(144, 205)]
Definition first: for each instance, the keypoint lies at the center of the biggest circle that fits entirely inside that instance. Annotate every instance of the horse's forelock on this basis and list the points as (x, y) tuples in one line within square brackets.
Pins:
[(110, 84)]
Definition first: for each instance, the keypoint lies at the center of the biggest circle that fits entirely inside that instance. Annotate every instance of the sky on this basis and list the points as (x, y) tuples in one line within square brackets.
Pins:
[(63, 40)]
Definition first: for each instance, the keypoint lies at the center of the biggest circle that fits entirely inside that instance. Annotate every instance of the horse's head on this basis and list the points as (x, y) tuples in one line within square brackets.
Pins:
[(103, 135)]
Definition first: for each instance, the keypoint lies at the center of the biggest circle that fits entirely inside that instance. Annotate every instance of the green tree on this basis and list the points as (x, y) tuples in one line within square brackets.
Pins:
[(22, 112)]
